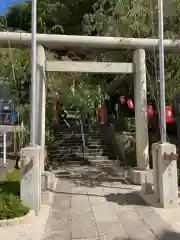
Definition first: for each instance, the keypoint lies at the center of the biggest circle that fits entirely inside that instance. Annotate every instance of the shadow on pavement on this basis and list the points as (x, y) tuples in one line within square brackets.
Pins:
[(91, 175), (167, 235), (132, 198), (90, 178)]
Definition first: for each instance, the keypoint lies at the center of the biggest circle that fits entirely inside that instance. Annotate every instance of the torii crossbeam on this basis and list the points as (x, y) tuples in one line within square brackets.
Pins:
[(57, 42)]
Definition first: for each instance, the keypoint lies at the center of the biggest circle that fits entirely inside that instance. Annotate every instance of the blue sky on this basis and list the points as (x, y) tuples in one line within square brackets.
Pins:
[(5, 3)]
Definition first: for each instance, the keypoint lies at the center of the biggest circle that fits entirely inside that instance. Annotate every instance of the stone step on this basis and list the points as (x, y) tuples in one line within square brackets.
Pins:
[(93, 161), (79, 133), (99, 149), (79, 146), (81, 155), (70, 141), (98, 144), (67, 154), (73, 144), (76, 147), (75, 138), (75, 163), (70, 162)]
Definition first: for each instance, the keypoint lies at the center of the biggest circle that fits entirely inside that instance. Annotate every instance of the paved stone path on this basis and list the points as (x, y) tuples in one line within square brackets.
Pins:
[(90, 205)]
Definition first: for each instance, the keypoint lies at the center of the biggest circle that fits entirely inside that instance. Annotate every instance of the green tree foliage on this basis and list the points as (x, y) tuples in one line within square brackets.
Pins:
[(118, 18), (84, 96), (14, 67), (53, 16)]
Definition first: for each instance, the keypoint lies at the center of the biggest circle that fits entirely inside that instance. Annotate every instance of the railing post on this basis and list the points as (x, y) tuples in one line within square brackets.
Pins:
[(4, 149), (21, 134), (82, 135)]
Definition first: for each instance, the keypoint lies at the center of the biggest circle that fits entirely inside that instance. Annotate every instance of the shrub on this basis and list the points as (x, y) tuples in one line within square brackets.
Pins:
[(11, 206), (50, 140), (10, 202)]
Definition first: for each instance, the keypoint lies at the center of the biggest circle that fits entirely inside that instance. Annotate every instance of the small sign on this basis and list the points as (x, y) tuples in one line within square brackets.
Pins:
[(6, 107), (170, 157)]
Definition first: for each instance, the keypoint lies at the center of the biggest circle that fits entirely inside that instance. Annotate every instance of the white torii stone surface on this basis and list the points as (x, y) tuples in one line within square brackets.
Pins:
[(53, 41), (31, 178), (140, 96), (165, 175), (89, 67), (41, 102)]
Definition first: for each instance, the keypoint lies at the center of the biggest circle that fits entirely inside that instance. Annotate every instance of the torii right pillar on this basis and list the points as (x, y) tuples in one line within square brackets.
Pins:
[(142, 173)]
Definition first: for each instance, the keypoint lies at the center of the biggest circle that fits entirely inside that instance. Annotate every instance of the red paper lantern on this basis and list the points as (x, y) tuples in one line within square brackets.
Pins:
[(149, 111), (130, 104), (122, 99), (169, 117)]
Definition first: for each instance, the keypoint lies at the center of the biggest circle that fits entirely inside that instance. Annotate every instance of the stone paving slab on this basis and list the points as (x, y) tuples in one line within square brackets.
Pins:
[(152, 220), (114, 237), (97, 201), (83, 226), (114, 228), (101, 211), (107, 212), (135, 227), (104, 213), (58, 235), (80, 204)]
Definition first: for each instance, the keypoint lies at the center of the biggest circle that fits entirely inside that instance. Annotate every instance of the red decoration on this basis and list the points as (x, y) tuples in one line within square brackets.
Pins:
[(169, 118), (130, 104), (149, 111), (122, 99)]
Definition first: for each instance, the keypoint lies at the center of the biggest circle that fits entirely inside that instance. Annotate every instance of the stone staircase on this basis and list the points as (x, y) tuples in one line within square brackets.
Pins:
[(70, 150)]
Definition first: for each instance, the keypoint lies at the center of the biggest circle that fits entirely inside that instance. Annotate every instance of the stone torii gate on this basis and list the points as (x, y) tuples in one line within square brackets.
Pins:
[(64, 42)]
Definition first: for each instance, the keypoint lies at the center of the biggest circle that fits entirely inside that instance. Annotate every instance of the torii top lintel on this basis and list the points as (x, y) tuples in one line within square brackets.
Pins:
[(57, 42)]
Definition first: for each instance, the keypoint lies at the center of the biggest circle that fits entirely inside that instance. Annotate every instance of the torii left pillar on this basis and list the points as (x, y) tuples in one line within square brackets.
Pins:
[(41, 102), (32, 158), (141, 174)]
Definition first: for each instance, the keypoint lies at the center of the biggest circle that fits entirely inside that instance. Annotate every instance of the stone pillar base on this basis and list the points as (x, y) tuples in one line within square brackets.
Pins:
[(31, 177), (47, 181), (48, 187), (147, 189), (165, 174), (139, 177)]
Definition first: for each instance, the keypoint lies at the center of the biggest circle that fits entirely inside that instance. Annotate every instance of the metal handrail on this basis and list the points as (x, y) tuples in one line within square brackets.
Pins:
[(4, 134)]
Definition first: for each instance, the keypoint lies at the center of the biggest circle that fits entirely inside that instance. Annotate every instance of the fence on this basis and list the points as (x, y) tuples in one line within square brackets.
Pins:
[(3, 147), (9, 141)]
